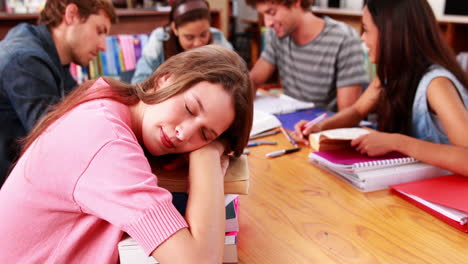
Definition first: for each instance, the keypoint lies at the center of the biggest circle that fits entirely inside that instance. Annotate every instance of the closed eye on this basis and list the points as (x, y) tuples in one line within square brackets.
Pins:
[(204, 135), (188, 109)]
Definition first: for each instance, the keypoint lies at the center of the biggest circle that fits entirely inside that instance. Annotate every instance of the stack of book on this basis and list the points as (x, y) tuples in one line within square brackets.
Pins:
[(236, 182), (363, 172)]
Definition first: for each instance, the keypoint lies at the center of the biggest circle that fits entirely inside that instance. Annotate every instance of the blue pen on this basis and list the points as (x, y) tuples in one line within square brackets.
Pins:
[(286, 134), (260, 142)]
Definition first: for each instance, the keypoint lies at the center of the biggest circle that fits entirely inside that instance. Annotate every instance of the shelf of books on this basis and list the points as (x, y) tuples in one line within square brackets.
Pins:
[(122, 54)]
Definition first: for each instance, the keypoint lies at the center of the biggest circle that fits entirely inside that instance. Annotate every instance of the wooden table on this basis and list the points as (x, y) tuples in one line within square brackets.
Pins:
[(298, 213)]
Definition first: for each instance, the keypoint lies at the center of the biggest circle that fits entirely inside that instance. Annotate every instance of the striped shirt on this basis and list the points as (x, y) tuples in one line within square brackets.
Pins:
[(313, 72)]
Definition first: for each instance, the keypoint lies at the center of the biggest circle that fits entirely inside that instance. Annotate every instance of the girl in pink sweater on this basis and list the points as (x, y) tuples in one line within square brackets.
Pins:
[(83, 178)]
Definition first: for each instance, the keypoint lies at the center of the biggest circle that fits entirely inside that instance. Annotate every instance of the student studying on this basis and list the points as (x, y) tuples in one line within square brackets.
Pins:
[(34, 65), (83, 179), (188, 28), (420, 93), (319, 60)]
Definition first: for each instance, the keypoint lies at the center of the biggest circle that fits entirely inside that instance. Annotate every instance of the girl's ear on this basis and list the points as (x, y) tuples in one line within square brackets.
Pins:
[(174, 29), (163, 80)]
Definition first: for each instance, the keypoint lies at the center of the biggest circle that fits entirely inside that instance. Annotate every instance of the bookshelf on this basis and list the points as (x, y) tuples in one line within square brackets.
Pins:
[(130, 21)]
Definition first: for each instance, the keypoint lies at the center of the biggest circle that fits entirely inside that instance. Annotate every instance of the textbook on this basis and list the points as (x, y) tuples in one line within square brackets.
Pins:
[(236, 180), (373, 173), (335, 138), (444, 197)]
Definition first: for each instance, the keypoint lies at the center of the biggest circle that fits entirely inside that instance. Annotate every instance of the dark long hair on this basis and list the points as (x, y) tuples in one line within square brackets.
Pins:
[(210, 63), (172, 45), (410, 42)]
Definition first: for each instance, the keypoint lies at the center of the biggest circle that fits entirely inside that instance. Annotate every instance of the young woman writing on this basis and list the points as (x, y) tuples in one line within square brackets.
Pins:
[(83, 178), (420, 93)]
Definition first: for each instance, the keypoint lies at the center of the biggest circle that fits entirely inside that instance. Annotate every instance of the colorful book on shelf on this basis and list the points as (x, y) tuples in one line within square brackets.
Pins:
[(236, 180), (335, 138), (373, 173), (444, 197)]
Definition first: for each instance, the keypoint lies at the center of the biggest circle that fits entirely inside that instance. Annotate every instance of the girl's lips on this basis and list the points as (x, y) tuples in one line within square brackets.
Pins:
[(165, 140)]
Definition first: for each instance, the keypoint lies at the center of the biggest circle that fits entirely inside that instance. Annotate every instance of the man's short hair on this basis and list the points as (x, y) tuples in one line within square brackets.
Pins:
[(305, 4), (53, 11)]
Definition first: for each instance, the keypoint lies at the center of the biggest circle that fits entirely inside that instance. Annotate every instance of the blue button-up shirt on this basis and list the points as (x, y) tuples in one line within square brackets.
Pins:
[(31, 79)]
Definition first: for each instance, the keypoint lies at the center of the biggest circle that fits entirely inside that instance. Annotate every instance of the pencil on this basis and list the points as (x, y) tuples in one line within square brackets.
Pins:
[(290, 139)]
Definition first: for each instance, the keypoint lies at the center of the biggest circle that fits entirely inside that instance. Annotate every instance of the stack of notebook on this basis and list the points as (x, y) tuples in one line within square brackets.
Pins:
[(373, 173)]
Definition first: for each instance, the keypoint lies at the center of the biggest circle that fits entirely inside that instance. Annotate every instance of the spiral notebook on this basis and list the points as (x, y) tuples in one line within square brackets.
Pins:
[(350, 161), (373, 173)]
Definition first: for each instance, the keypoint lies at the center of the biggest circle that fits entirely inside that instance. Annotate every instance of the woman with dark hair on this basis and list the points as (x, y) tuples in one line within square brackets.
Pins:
[(420, 93), (189, 27), (83, 178)]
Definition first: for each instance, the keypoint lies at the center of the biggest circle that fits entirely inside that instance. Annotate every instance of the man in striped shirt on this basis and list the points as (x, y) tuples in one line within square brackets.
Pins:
[(319, 60)]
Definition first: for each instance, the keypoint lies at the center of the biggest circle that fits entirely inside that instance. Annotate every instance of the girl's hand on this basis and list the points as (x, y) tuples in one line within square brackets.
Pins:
[(375, 143), (300, 135)]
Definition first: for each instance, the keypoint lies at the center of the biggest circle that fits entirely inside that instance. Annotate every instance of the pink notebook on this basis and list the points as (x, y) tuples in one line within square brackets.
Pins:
[(349, 156)]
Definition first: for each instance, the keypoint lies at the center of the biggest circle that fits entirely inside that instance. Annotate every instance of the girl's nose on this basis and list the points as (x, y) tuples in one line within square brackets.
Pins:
[(185, 131)]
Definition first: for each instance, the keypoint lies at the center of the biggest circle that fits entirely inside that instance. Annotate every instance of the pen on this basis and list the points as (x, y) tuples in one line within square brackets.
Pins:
[(281, 152), (269, 133), (286, 134), (314, 121), (260, 142)]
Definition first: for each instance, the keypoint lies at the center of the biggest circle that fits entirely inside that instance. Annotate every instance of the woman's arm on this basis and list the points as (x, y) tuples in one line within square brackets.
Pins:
[(445, 102), (204, 240), (348, 117), (452, 158)]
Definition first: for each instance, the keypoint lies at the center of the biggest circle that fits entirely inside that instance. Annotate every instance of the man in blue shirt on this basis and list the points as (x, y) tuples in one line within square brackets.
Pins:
[(34, 65)]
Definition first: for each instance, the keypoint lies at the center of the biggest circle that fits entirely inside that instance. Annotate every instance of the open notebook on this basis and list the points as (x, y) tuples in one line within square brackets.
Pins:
[(263, 121), (279, 104)]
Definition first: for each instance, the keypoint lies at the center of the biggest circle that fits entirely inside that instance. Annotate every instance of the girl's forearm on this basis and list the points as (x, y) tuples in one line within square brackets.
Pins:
[(205, 211), (452, 158)]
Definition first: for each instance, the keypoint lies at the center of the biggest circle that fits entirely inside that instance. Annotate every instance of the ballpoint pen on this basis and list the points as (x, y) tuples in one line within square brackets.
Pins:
[(314, 121), (260, 142), (281, 152), (286, 134), (269, 133)]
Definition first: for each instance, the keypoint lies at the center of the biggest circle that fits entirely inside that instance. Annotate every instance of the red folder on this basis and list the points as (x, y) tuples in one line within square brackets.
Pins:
[(450, 191)]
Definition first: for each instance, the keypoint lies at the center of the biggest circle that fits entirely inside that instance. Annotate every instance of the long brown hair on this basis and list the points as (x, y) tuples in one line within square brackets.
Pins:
[(181, 15), (410, 42), (209, 63), (53, 11)]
